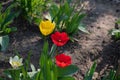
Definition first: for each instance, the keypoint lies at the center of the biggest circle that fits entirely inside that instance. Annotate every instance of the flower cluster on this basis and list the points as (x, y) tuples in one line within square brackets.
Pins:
[(53, 66), (49, 65), (59, 39)]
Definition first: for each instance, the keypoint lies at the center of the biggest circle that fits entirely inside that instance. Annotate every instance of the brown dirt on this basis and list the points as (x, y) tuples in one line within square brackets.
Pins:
[(101, 17)]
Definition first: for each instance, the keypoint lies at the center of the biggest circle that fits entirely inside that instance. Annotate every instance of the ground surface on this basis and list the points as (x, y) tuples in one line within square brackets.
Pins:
[(102, 15)]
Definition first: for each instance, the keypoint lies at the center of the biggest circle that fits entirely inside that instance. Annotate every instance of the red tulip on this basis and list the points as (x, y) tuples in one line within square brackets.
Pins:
[(60, 39), (63, 60)]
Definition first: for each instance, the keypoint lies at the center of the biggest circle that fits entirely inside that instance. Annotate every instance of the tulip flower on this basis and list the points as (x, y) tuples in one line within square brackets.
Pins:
[(46, 27), (60, 39), (16, 62), (63, 60)]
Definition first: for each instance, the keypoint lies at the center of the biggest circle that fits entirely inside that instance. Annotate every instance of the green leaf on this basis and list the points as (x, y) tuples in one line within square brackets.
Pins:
[(37, 76), (4, 42), (27, 61), (24, 73), (52, 51), (115, 33), (14, 74), (47, 70), (43, 58), (66, 78), (83, 28), (67, 70), (44, 62), (118, 22), (7, 73), (54, 72), (45, 48), (9, 18), (37, 21), (1, 79), (73, 24), (9, 30), (53, 11), (110, 76), (71, 38), (90, 72)]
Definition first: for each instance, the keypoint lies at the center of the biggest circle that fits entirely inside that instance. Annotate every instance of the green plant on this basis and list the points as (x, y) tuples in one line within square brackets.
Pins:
[(67, 17), (115, 33), (6, 18), (31, 10), (118, 22), (111, 76), (48, 69), (90, 73)]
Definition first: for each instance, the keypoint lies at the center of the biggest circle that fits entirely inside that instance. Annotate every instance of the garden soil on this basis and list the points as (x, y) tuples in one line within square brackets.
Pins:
[(95, 46)]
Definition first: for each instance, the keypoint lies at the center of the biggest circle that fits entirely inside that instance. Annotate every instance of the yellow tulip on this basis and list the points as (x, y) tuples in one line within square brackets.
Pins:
[(46, 27)]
